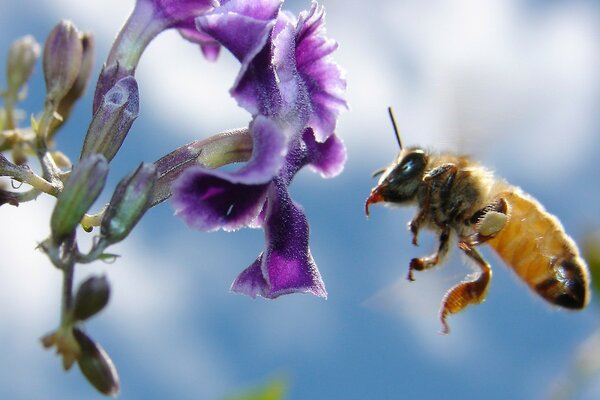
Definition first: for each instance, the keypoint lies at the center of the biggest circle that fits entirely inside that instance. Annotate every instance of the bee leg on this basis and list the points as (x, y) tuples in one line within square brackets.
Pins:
[(415, 224), (449, 171), (468, 292), (489, 222), (420, 264)]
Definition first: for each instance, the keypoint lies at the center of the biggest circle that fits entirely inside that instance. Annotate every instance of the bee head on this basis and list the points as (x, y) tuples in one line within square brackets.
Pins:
[(400, 181)]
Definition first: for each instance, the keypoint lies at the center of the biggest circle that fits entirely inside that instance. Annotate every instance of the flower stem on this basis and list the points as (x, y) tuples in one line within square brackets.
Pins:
[(139, 29), (10, 99), (67, 293), (26, 175)]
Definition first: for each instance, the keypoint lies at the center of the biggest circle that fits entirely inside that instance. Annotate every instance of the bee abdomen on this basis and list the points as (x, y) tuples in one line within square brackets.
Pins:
[(567, 288), (534, 244)]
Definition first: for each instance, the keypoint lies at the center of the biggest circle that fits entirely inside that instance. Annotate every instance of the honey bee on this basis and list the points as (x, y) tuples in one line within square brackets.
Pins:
[(457, 197)]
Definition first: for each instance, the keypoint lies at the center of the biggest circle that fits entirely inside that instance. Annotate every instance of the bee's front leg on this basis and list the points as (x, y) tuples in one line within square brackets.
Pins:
[(420, 264), (468, 292), (415, 224)]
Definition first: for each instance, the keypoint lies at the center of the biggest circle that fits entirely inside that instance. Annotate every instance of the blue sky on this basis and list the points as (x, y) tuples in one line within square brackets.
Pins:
[(513, 83)]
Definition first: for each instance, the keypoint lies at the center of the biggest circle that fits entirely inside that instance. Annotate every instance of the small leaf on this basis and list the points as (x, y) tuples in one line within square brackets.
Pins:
[(108, 257)]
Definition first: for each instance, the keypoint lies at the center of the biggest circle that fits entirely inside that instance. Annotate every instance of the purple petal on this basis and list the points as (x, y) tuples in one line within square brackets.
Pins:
[(242, 26), (212, 199), (255, 88), (327, 158), (207, 201), (322, 77), (177, 13), (210, 51), (296, 106), (287, 265), (209, 46), (251, 281), (269, 148)]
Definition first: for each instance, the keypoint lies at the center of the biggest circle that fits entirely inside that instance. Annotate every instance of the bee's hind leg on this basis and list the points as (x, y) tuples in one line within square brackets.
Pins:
[(422, 263), (489, 222), (467, 292)]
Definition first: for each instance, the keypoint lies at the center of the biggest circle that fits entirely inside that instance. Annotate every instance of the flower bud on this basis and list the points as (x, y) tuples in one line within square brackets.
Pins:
[(112, 120), (79, 86), (62, 60), (92, 296), (129, 202), (96, 365), (81, 190), (21, 58)]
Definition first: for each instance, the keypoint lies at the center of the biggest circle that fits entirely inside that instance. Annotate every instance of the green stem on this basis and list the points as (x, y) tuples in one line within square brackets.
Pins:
[(10, 99), (67, 293), (25, 175), (95, 253)]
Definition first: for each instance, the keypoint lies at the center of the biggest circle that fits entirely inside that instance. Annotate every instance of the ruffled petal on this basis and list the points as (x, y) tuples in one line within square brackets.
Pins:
[(243, 27), (295, 106), (322, 77), (327, 158), (287, 265)]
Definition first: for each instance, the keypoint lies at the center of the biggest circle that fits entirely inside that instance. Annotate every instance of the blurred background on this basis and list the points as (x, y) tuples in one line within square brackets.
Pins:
[(514, 83)]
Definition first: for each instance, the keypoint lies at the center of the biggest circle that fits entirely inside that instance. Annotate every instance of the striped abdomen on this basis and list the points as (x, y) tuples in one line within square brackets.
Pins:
[(534, 244)]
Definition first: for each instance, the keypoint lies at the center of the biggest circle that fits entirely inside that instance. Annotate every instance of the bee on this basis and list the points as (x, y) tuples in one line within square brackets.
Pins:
[(460, 199)]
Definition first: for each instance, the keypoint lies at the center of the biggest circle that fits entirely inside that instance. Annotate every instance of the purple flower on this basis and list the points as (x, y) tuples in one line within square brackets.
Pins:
[(294, 91)]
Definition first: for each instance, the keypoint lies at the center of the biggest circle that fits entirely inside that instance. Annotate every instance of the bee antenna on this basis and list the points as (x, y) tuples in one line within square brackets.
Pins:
[(396, 131)]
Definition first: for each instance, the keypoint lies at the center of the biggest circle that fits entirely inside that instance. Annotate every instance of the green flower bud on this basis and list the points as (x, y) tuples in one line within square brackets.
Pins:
[(113, 119), (96, 365), (79, 86), (129, 202), (22, 56), (92, 296), (81, 190), (62, 60)]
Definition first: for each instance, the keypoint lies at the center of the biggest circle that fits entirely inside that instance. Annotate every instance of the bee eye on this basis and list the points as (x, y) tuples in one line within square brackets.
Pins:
[(411, 165), (407, 167)]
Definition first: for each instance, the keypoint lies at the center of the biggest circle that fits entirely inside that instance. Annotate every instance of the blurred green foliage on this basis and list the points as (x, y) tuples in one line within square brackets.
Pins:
[(591, 253), (275, 389)]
